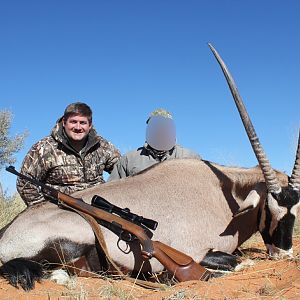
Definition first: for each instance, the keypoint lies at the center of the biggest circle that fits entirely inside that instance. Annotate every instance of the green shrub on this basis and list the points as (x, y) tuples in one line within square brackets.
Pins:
[(9, 206), (9, 145)]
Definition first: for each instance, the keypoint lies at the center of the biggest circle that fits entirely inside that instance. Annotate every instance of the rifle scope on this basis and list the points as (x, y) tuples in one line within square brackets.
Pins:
[(124, 213)]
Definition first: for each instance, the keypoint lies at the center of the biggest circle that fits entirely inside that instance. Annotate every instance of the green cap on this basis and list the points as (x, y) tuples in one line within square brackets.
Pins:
[(160, 112)]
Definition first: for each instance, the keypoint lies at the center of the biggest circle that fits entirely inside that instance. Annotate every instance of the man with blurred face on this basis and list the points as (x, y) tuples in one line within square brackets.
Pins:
[(71, 159), (160, 145)]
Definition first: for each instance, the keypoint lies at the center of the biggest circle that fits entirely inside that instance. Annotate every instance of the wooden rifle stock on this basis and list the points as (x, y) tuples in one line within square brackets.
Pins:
[(182, 266)]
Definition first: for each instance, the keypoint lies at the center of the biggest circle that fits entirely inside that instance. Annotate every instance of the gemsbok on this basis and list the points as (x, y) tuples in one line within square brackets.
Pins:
[(203, 209)]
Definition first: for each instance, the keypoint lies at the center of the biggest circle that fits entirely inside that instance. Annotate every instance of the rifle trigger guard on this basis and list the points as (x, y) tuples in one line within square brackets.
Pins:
[(127, 249)]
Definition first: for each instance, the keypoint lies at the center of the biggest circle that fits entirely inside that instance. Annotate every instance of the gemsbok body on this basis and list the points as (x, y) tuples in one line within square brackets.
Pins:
[(203, 209)]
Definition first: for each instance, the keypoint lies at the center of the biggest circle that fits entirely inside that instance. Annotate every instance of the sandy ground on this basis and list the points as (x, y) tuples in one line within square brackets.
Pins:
[(266, 279)]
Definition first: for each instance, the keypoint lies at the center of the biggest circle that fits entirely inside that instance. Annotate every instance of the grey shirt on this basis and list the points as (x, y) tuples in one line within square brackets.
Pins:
[(137, 160)]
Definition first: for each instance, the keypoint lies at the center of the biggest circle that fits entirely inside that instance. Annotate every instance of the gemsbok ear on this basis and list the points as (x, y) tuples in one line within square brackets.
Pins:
[(243, 211), (250, 203)]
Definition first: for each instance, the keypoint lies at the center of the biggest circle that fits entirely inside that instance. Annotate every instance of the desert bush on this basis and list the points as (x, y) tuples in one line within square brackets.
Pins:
[(8, 145), (10, 206)]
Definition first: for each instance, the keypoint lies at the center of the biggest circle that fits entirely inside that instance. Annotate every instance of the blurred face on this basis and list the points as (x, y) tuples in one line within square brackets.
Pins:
[(161, 133), (77, 127)]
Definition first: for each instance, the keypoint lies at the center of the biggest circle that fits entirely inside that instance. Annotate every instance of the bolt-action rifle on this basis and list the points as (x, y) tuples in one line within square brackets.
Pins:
[(182, 266)]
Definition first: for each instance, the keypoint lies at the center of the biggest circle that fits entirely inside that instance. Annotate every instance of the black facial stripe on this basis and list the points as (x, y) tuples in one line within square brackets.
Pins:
[(283, 233), (287, 198)]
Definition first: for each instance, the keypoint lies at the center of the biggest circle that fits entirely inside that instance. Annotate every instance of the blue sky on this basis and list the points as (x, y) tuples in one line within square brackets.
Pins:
[(126, 58)]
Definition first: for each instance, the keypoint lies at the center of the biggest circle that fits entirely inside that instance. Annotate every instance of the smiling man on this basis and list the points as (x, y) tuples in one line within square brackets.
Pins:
[(72, 158)]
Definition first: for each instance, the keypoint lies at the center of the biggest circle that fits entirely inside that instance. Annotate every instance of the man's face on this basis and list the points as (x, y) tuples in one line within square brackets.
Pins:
[(77, 127)]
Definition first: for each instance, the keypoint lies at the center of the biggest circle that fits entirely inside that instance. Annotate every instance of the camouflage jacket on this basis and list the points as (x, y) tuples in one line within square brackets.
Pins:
[(137, 160), (54, 162)]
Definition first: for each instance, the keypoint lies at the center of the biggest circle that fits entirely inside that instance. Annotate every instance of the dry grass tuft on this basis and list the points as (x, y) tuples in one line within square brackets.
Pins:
[(10, 207), (178, 295), (184, 294), (82, 294), (112, 291)]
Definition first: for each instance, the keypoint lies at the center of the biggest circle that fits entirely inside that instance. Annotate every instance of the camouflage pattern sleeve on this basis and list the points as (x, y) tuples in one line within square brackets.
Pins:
[(112, 156), (33, 167)]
